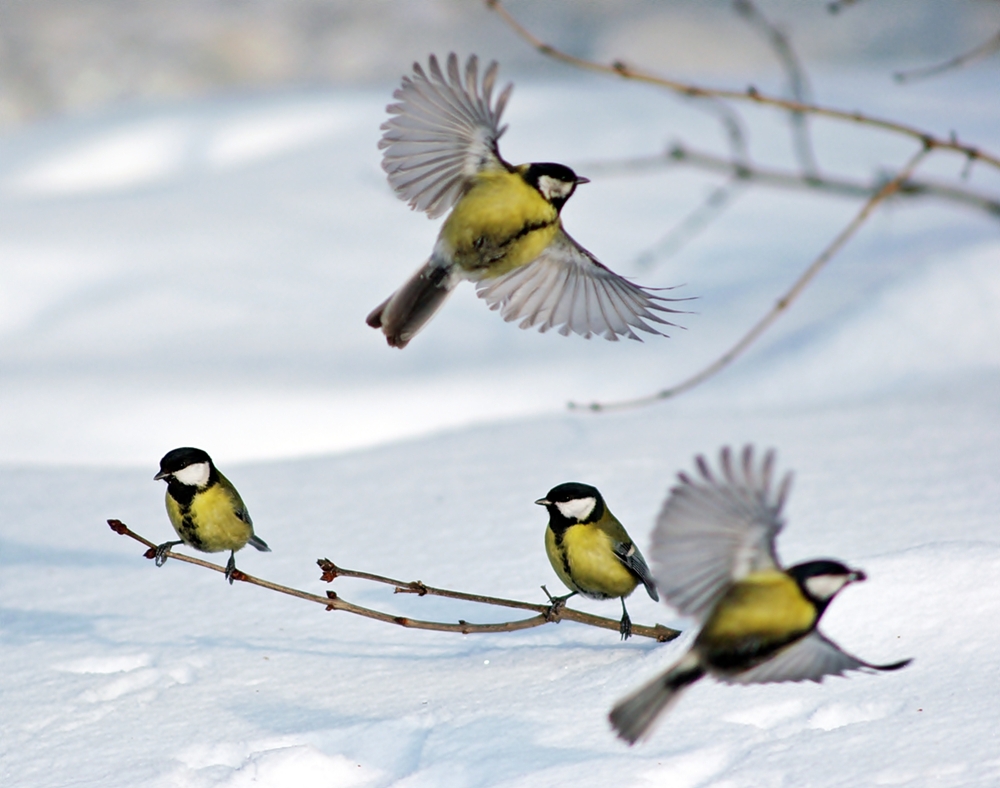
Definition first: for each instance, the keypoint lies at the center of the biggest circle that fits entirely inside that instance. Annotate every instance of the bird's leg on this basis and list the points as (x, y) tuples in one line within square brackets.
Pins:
[(626, 623), (558, 603), (558, 599), (160, 554), (231, 566)]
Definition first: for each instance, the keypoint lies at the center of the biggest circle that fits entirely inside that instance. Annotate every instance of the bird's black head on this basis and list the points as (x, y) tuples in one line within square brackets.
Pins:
[(555, 182), (822, 580), (187, 466), (572, 503)]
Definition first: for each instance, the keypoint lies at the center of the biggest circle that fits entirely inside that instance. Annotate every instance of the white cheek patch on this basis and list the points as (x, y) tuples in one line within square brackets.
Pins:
[(579, 509), (194, 475), (552, 188), (826, 586)]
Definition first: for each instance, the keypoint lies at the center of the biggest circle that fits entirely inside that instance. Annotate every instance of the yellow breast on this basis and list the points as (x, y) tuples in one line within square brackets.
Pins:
[(766, 606), (585, 561), (209, 524), (501, 223)]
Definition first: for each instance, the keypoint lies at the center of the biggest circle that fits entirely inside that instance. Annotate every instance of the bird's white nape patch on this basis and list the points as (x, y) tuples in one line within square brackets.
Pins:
[(578, 509), (553, 188), (195, 475), (826, 586)]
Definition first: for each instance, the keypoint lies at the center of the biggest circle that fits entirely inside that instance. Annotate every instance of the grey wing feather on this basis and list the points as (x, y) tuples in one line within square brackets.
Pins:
[(244, 515), (241, 511), (568, 289), (717, 528), (239, 508), (443, 131), (629, 555), (808, 659)]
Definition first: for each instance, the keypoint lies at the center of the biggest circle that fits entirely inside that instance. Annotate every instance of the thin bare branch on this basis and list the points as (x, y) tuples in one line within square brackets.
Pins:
[(731, 124), (837, 6), (681, 155), (619, 68), (798, 83), (890, 188), (331, 572), (685, 231), (547, 614), (987, 48)]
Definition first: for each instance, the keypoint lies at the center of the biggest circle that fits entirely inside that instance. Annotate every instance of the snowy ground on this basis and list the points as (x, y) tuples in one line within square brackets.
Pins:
[(199, 274)]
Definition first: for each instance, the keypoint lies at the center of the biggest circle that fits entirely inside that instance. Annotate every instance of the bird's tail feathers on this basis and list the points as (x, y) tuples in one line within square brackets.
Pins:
[(259, 543), (633, 717), (407, 310)]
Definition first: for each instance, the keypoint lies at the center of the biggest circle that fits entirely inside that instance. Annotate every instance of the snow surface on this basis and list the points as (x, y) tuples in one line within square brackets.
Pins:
[(198, 274)]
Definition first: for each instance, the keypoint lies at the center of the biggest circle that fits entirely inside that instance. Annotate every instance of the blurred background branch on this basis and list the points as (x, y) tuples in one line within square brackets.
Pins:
[(742, 175), (620, 68), (837, 6), (63, 57), (989, 47), (799, 108), (780, 306), (798, 82)]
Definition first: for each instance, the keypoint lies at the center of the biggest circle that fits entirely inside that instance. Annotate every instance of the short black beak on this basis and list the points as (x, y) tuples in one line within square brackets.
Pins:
[(857, 576), (580, 180), (160, 475), (543, 502)]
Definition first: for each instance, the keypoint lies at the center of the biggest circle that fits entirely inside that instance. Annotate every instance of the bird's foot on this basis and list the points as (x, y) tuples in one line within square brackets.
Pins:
[(625, 627), (160, 553), (557, 604), (231, 571)]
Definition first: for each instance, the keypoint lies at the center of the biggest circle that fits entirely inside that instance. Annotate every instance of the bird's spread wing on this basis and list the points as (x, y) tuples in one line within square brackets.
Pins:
[(567, 288), (443, 131), (629, 555), (808, 659), (717, 528)]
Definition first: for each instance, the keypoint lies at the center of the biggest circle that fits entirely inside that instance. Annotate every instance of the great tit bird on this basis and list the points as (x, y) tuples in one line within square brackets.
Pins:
[(204, 508), (590, 550), (503, 232), (714, 560)]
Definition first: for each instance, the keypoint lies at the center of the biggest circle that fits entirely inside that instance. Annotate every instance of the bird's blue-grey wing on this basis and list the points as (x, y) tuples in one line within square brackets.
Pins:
[(443, 130), (568, 289), (808, 659), (715, 528)]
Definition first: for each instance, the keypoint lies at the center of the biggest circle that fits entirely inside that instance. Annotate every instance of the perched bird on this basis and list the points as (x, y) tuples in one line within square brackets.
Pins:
[(503, 232), (590, 550), (714, 560), (204, 508)]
